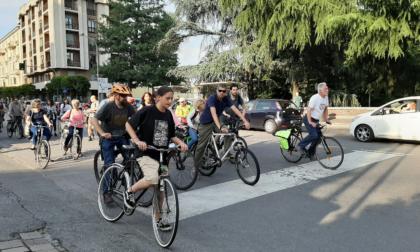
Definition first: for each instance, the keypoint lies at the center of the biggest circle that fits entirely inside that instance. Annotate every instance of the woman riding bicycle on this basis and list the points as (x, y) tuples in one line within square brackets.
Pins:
[(193, 120), (37, 116), (77, 118)]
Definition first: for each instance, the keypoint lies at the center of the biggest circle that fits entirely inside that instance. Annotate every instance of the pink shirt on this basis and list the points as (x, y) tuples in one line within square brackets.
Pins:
[(76, 117), (176, 119)]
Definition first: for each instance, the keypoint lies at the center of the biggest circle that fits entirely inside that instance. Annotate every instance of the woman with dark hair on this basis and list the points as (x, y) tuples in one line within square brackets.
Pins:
[(147, 100), (65, 106), (52, 114)]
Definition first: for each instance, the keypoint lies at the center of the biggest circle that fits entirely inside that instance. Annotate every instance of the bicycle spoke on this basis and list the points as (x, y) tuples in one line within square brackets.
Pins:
[(330, 153)]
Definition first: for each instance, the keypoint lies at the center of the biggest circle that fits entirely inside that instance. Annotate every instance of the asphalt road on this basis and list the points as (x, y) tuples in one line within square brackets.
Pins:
[(371, 204)]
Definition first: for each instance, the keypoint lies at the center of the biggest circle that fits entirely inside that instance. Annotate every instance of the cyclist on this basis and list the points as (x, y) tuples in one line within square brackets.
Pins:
[(156, 128), (113, 117), (228, 115), (93, 108), (105, 101), (15, 113), (209, 121), (76, 116), (193, 119), (182, 110), (52, 114), (317, 107), (2, 111), (37, 116)]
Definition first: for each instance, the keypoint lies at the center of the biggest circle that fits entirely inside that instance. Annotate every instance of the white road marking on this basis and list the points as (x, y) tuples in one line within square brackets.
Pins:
[(211, 198)]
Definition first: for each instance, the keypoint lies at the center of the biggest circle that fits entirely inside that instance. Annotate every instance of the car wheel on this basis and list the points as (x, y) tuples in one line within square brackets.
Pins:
[(270, 126), (363, 133)]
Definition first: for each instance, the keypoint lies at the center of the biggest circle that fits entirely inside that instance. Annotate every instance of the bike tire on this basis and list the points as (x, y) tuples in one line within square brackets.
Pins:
[(43, 154), (182, 169), (247, 166), (113, 185), (76, 147), (169, 210), (241, 144), (209, 165), (9, 129), (331, 160), (62, 141), (292, 155), (98, 166), (19, 132)]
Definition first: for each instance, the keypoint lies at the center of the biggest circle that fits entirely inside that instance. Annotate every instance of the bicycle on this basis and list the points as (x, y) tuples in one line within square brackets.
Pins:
[(244, 159), (117, 179), (17, 128), (233, 126), (328, 145), (75, 139), (42, 151)]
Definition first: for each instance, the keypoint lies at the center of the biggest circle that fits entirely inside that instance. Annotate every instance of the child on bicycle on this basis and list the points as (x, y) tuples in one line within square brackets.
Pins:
[(156, 128)]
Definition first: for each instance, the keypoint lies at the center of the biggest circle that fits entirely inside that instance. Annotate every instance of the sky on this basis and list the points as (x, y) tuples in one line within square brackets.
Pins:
[(188, 54)]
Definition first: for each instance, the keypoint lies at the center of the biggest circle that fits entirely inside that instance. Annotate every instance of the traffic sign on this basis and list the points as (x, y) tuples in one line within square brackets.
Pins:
[(102, 85), (64, 90)]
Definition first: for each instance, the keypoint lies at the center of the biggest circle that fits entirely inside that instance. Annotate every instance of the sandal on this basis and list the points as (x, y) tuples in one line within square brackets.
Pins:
[(32, 148)]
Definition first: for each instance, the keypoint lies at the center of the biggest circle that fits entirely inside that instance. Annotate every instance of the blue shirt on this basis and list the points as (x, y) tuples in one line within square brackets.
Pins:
[(214, 102)]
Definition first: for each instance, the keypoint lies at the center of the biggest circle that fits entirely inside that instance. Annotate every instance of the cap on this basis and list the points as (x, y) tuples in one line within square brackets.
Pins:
[(182, 99)]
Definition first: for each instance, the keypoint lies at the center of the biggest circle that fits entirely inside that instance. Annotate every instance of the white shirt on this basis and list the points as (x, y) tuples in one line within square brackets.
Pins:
[(193, 122), (318, 105)]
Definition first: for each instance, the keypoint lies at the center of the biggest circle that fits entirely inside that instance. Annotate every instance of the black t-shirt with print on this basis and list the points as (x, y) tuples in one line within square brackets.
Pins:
[(113, 118), (155, 128)]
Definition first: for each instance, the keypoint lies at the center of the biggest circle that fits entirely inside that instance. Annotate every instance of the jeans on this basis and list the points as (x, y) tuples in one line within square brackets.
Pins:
[(16, 119), (313, 135), (194, 137), (70, 135), (108, 147), (47, 134)]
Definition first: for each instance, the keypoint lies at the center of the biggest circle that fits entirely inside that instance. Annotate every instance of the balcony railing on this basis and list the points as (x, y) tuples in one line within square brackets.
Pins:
[(47, 45), (2, 51), (72, 44), (24, 55), (72, 63), (12, 44), (45, 7), (31, 70), (72, 25), (92, 48), (42, 66), (91, 12), (70, 5), (48, 63), (46, 27)]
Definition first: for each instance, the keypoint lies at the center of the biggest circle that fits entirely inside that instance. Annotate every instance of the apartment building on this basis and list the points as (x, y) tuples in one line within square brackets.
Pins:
[(58, 36), (10, 56)]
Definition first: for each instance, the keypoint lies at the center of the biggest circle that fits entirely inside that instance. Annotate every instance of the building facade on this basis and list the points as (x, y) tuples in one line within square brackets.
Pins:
[(10, 56), (58, 37)]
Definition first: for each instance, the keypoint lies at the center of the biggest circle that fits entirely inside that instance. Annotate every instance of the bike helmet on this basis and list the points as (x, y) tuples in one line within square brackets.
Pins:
[(121, 89), (130, 99)]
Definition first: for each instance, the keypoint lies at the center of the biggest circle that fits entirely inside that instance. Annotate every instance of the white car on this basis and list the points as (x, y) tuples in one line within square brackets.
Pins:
[(399, 119)]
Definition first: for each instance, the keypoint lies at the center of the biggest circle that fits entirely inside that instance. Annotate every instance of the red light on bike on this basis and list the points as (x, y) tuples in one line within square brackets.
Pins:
[(284, 126)]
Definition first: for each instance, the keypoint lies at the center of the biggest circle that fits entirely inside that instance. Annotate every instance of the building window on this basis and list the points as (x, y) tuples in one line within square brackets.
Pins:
[(91, 26), (42, 41), (14, 80), (70, 57), (42, 59), (71, 73), (40, 24)]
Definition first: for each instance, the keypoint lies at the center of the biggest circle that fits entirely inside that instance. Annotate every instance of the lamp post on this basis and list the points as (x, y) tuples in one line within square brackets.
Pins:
[(97, 61)]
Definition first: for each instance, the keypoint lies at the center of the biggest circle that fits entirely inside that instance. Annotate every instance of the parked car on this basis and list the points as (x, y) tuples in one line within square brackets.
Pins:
[(272, 114), (395, 120), (190, 101)]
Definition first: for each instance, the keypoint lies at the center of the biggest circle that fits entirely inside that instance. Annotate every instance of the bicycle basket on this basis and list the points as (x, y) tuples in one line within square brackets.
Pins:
[(283, 136)]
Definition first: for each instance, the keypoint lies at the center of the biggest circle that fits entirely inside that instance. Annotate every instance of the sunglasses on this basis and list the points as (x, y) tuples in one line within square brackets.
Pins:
[(221, 91), (123, 96)]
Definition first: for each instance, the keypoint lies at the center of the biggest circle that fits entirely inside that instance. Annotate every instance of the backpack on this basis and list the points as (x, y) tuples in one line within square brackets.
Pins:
[(184, 120)]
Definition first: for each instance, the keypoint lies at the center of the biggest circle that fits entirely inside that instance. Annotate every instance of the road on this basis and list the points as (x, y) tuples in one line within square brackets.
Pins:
[(371, 203)]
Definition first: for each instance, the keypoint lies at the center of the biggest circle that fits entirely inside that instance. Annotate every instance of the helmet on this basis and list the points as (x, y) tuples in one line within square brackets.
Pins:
[(121, 89), (130, 99), (85, 105)]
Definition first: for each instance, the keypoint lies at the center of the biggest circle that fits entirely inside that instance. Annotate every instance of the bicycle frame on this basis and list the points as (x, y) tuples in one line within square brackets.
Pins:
[(213, 142), (321, 138)]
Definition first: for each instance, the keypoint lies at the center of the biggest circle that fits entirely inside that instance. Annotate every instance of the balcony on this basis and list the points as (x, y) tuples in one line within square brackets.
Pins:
[(45, 7), (91, 12), (42, 66), (72, 44), (72, 63), (31, 70), (70, 5), (2, 50), (12, 44), (46, 27), (48, 63), (72, 25), (24, 55), (47, 45)]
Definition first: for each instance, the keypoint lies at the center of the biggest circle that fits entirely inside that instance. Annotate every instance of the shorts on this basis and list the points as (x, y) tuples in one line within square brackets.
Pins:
[(90, 120), (150, 168)]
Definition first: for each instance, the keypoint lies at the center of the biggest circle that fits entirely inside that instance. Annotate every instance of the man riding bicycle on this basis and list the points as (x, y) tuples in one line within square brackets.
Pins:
[(15, 112), (317, 107), (209, 121), (113, 116)]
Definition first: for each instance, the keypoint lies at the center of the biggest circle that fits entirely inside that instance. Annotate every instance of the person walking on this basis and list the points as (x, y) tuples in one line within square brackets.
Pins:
[(298, 100), (93, 108)]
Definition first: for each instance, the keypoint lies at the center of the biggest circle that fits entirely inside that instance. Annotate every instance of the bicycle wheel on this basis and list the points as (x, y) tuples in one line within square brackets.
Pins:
[(43, 153), (182, 169), (98, 165), (19, 132), (143, 198), (209, 165), (247, 166), (166, 208), (62, 141), (76, 147), (329, 153), (292, 155), (9, 129), (240, 144), (110, 193)]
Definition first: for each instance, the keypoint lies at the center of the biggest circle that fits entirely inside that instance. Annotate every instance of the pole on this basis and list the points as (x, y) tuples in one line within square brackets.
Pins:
[(97, 70)]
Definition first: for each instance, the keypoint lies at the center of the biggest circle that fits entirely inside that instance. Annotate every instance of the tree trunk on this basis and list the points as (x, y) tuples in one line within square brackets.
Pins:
[(295, 86), (130, 84), (250, 86)]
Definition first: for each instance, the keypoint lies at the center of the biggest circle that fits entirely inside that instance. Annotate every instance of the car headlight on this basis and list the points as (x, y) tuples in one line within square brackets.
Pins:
[(354, 119)]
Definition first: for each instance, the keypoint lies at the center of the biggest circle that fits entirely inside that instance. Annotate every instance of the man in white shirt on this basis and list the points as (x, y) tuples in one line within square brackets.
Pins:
[(317, 107)]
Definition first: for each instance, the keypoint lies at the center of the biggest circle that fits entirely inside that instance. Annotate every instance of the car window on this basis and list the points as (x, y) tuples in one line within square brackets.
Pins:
[(263, 105), (249, 105), (407, 106), (288, 104)]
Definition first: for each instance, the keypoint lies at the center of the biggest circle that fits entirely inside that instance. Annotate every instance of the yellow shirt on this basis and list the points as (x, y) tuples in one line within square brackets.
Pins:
[(182, 111)]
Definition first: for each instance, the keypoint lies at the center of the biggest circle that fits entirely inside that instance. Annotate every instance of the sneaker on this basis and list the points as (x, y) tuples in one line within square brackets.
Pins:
[(108, 199), (163, 226), (313, 158), (90, 138), (129, 199)]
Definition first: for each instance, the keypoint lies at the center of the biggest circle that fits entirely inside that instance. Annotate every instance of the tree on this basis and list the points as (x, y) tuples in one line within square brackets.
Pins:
[(130, 34), (55, 85), (78, 84)]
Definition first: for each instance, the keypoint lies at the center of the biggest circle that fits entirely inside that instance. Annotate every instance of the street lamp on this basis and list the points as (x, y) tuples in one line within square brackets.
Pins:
[(97, 59)]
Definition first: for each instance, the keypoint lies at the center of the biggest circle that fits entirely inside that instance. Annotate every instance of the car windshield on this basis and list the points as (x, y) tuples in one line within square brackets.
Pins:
[(287, 104)]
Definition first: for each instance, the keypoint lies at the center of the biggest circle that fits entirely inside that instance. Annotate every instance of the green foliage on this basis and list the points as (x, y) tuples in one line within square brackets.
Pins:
[(19, 91), (132, 31)]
